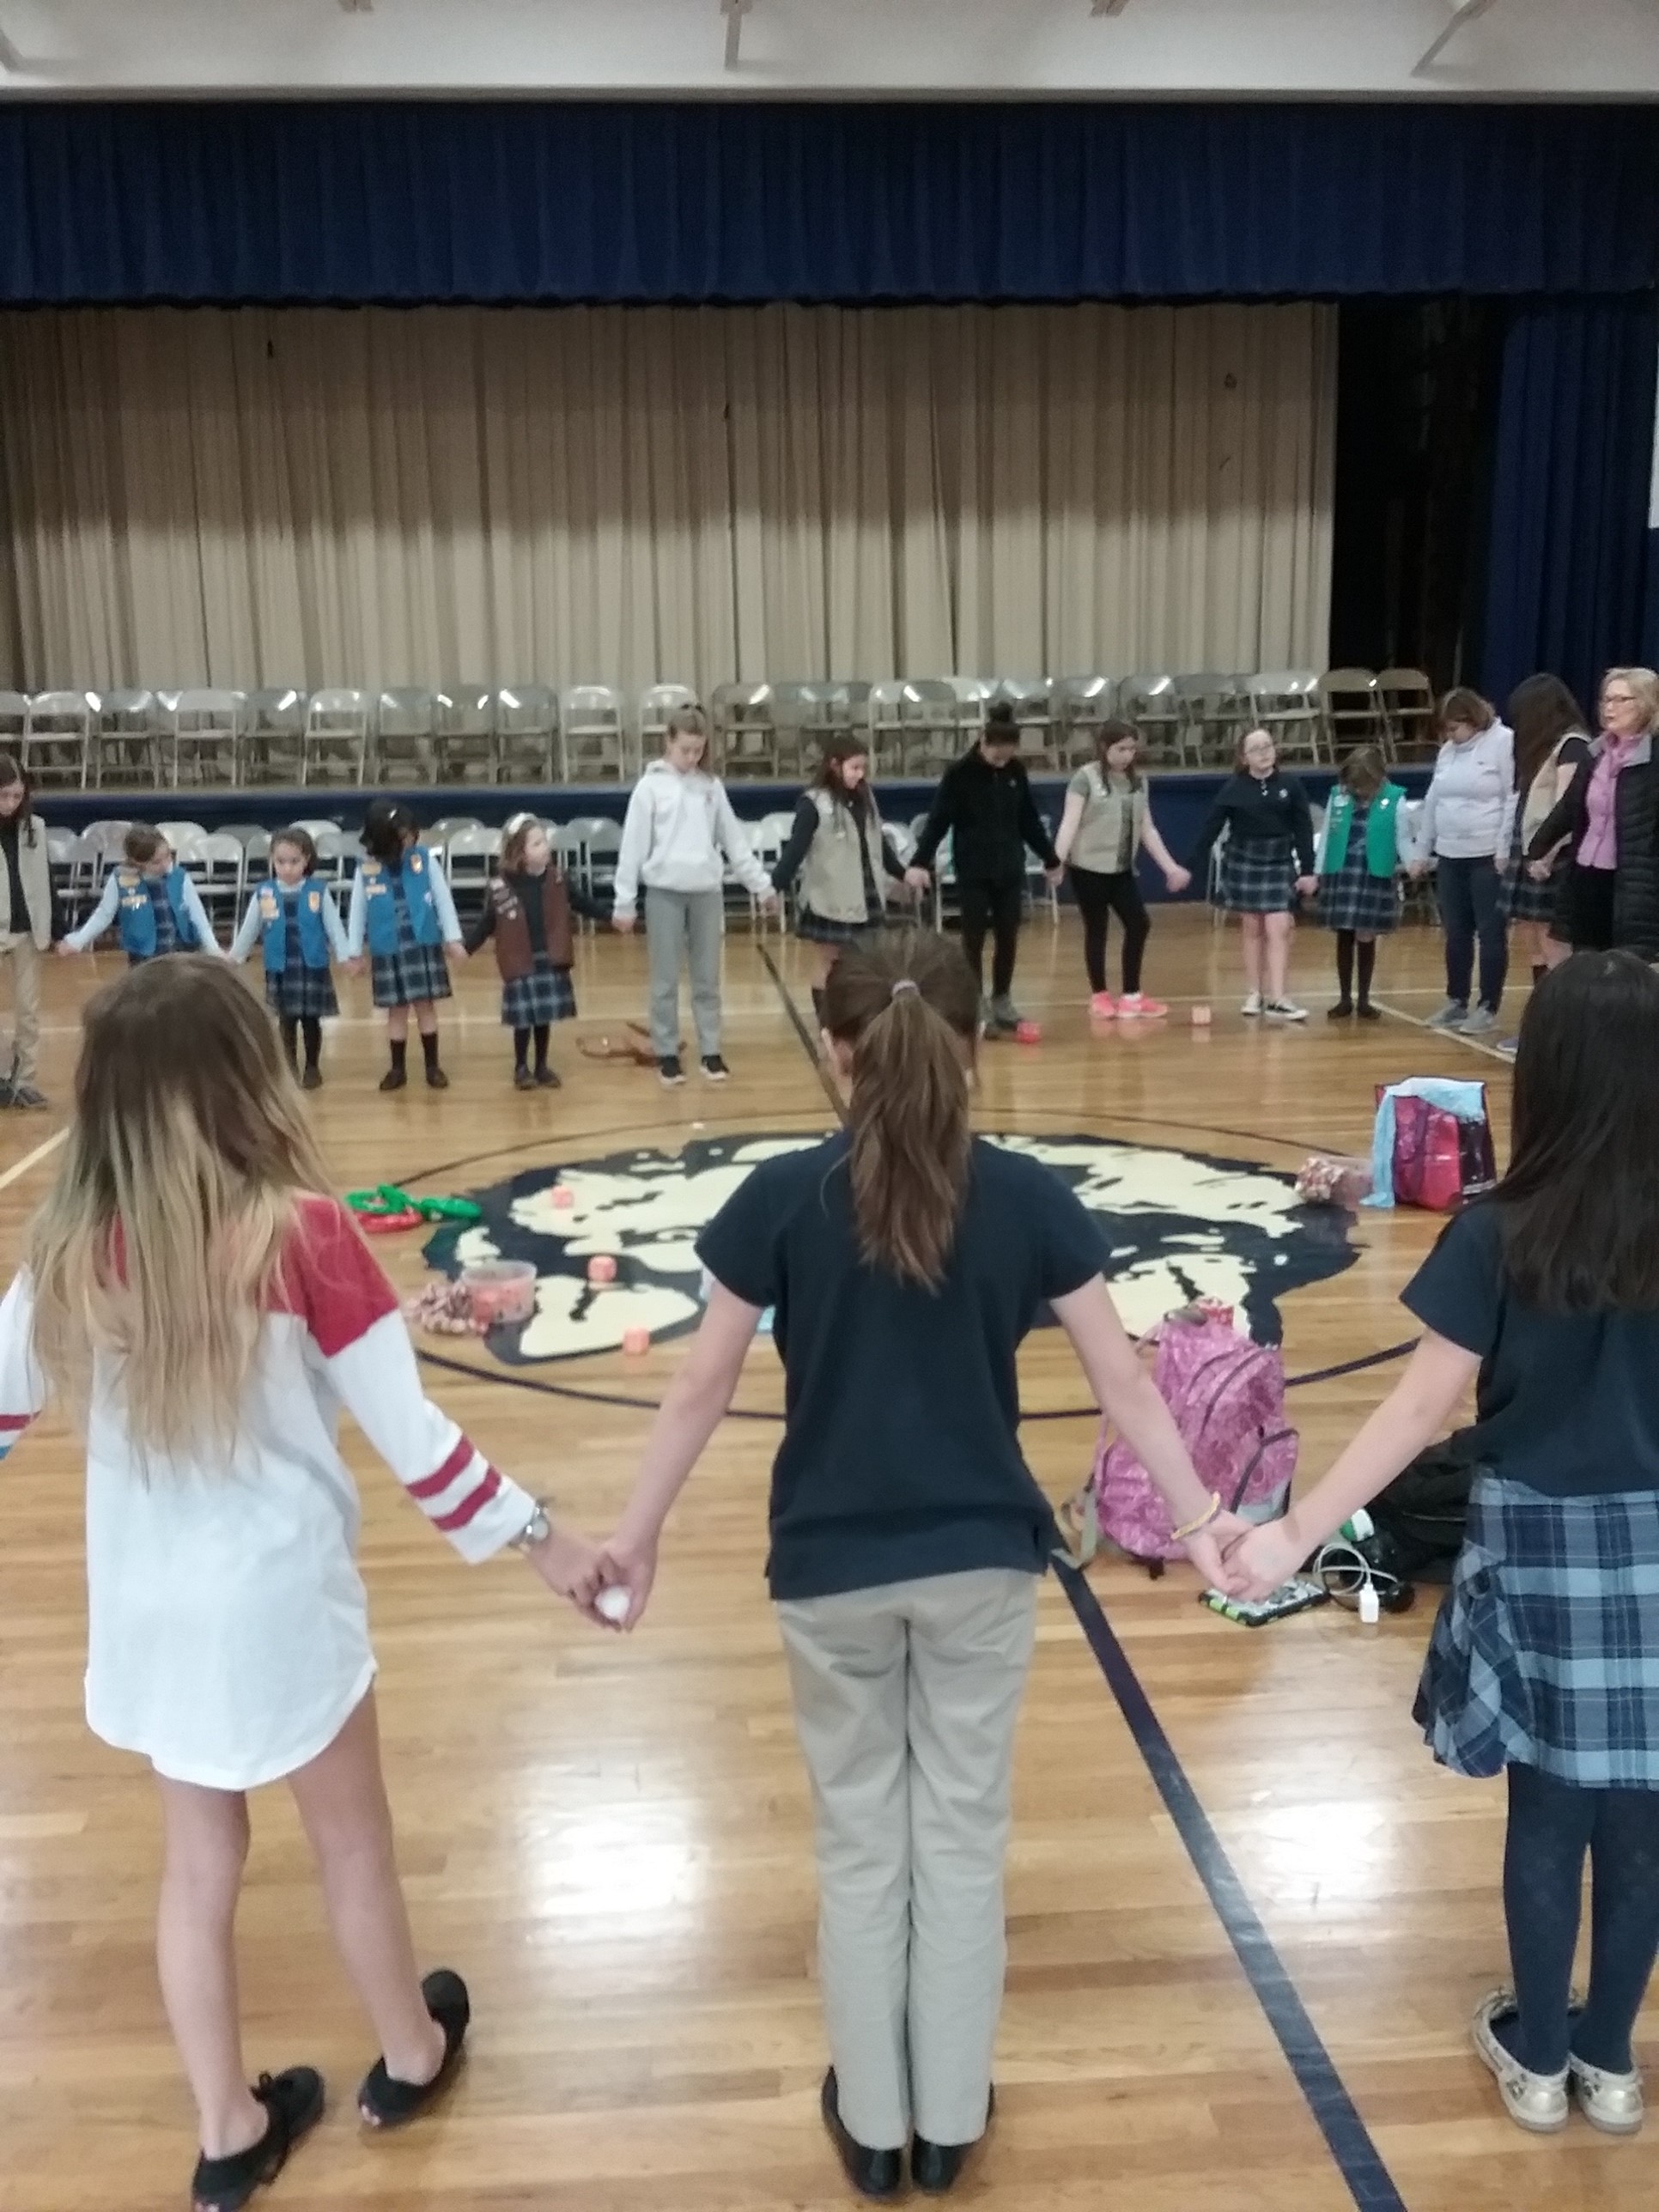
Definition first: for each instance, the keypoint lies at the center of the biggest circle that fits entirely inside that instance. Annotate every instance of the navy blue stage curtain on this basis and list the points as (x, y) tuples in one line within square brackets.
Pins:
[(1567, 567), (535, 200)]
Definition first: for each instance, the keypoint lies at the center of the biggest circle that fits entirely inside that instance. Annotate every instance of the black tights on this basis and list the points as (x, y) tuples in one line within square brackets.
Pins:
[(1098, 897), (312, 1029), (995, 907), (521, 1046), (1346, 943), (1551, 1826)]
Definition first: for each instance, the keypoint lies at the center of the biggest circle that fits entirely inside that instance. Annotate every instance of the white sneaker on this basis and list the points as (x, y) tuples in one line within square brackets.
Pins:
[(1285, 1010), (1252, 1006), (1480, 1022), (1611, 2102), (1537, 2102), (1450, 1017)]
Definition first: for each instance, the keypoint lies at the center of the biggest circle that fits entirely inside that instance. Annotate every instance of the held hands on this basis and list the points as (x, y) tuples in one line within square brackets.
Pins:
[(1306, 886), (1539, 871), (622, 924), (1054, 878), (919, 879), (1176, 880), (1418, 870), (1263, 1559), (626, 1565), (356, 965), (1211, 1550), (457, 953), (566, 1563)]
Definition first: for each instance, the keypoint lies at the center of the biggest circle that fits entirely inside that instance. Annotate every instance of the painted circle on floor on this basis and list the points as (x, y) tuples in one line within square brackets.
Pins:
[(1174, 1225)]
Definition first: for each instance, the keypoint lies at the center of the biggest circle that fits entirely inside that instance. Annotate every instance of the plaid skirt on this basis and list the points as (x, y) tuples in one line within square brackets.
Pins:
[(299, 993), (544, 995), (1545, 1653), (1521, 899), (818, 929), (1353, 898), (1257, 878), (412, 972)]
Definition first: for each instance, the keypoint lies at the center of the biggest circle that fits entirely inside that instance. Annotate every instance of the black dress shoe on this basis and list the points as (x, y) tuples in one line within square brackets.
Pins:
[(935, 2167), (872, 2173)]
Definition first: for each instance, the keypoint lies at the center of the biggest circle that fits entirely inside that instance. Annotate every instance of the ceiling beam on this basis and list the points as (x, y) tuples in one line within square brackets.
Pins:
[(1469, 12)]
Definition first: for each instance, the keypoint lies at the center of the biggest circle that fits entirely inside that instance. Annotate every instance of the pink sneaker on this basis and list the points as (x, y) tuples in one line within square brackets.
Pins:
[(1136, 1006), (1103, 1006)]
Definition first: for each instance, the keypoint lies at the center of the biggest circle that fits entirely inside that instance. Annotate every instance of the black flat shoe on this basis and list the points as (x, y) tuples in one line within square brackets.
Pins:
[(936, 2168), (436, 1079), (311, 1080), (523, 1080), (395, 1078), (873, 2173), (386, 2102), (548, 1079), (1341, 1012), (1368, 1012), (294, 2105)]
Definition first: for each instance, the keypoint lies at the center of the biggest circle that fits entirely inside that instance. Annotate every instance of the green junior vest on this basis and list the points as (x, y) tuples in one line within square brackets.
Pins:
[(1383, 828)]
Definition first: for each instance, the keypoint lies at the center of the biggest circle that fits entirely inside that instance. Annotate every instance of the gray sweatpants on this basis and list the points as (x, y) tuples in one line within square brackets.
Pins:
[(678, 922), (906, 1699)]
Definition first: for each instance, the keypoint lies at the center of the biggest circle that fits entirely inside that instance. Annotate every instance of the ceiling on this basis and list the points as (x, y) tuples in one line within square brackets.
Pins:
[(1518, 49)]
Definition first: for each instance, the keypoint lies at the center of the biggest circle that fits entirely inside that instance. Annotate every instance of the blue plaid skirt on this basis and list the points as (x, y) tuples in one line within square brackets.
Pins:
[(299, 993), (1257, 878), (1353, 898), (544, 995), (413, 972), (818, 929), (1545, 1653)]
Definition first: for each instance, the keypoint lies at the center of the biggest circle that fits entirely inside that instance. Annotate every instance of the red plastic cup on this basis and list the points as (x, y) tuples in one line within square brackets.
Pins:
[(636, 1342), (1029, 1033), (1200, 1017), (563, 1196), (602, 1268)]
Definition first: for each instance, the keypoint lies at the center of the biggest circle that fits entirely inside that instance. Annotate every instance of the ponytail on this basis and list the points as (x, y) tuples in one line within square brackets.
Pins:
[(908, 1008)]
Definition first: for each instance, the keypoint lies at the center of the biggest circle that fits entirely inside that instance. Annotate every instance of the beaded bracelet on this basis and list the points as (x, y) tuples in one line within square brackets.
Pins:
[(1203, 1520)]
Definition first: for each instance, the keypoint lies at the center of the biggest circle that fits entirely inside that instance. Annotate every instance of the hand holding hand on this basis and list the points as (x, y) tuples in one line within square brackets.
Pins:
[(624, 1564), (65, 948), (1263, 1559), (1177, 880), (1208, 1551), (1418, 870), (622, 924), (1306, 886), (919, 879), (1054, 878), (1539, 871), (567, 1563)]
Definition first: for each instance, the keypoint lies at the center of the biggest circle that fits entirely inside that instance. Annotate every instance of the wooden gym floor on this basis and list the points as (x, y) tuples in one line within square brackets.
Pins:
[(611, 1838)]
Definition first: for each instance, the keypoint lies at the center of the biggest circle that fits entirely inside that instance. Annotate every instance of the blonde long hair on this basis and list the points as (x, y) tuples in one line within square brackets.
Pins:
[(907, 1007), (161, 1243)]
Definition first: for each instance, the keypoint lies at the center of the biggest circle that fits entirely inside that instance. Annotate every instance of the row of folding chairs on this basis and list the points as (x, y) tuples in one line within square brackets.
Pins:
[(591, 734)]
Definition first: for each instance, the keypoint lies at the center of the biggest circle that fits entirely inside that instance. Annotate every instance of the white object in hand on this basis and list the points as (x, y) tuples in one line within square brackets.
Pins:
[(613, 1604)]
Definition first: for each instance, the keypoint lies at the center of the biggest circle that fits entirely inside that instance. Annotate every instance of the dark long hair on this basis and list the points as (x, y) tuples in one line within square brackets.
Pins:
[(1542, 711), (1580, 1203), (909, 1007), (13, 771), (839, 747), (386, 824)]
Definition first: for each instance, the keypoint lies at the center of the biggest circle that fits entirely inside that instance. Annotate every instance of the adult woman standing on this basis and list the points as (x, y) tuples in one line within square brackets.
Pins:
[(1609, 891), (1551, 739), (1461, 831)]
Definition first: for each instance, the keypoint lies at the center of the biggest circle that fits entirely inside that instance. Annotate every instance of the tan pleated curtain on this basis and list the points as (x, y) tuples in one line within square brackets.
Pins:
[(619, 495)]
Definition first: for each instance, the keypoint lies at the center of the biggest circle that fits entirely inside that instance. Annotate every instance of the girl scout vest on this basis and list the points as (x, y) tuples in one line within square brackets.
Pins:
[(276, 902), (137, 914), (380, 901)]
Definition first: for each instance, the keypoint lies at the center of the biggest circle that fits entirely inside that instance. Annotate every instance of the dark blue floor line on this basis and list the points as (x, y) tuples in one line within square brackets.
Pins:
[(1357, 2159)]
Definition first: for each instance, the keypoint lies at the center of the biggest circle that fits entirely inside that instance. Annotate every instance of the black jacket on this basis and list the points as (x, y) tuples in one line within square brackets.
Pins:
[(1255, 813), (1635, 814), (991, 817)]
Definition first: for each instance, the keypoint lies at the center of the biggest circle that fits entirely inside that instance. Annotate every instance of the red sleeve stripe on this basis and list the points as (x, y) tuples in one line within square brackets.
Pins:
[(15, 1423), (472, 1504), (434, 1485)]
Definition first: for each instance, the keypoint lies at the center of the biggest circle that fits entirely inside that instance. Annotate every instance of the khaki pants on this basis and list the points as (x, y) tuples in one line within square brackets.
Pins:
[(24, 956), (906, 1698)]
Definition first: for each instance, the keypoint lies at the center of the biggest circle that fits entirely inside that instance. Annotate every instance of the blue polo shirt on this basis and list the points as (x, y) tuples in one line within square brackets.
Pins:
[(901, 1449)]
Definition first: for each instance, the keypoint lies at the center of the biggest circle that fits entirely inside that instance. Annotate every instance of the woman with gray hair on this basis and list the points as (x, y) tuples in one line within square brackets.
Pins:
[(1609, 897)]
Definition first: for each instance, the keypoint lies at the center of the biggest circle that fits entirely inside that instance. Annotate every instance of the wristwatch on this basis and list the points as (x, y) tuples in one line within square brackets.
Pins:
[(535, 1531)]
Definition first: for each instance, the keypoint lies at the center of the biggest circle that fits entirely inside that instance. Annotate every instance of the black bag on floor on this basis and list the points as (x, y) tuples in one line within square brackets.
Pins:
[(1420, 1517)]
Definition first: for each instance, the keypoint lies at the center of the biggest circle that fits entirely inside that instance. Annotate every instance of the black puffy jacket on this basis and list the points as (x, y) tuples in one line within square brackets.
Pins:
[(1636, 880)]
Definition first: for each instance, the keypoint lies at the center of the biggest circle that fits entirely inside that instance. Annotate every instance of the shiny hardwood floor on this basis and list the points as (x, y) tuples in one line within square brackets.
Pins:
[(611, 1838)]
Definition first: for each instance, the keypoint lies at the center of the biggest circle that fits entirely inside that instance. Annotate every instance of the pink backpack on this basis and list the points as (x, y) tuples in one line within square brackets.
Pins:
[(1227, 1394)]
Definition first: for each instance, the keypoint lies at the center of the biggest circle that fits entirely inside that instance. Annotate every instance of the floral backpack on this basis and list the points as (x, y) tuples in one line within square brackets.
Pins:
[(1227, 1394)]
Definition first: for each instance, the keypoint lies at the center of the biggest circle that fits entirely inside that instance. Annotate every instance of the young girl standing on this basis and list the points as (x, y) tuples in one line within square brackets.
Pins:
[(1546, 1297), (30, 919), (1266, 865), (840, 852), (158, 909), (908, 1536), (205, 1307), (1551, 740), (1106, 822), (1360, 856), (401, 905), (679, 839), (298, 924), (527, 913)]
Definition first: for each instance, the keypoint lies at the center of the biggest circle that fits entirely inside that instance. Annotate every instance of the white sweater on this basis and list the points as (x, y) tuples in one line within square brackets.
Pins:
[(680, 836), (1468, 801)]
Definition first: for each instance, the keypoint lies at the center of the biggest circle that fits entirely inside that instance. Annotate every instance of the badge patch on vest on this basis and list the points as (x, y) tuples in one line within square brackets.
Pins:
[(1174, 1226)]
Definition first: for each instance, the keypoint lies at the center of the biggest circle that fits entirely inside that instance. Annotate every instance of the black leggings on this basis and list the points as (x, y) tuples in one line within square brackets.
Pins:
[(1098, 897), (313, 1031), (1551, 1826), (996, 907)]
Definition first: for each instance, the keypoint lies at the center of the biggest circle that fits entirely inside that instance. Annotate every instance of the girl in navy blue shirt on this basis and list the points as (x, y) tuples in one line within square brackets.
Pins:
[(905, 1260), (1544, 1664)]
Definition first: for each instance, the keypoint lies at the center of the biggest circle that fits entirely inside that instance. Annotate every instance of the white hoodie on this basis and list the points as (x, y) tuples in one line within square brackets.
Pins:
[(679, 837), (1471, 797)]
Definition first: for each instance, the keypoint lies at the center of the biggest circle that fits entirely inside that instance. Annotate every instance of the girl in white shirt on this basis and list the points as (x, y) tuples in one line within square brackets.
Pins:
[(206, 1308), (1466, 815), (678, 837)]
